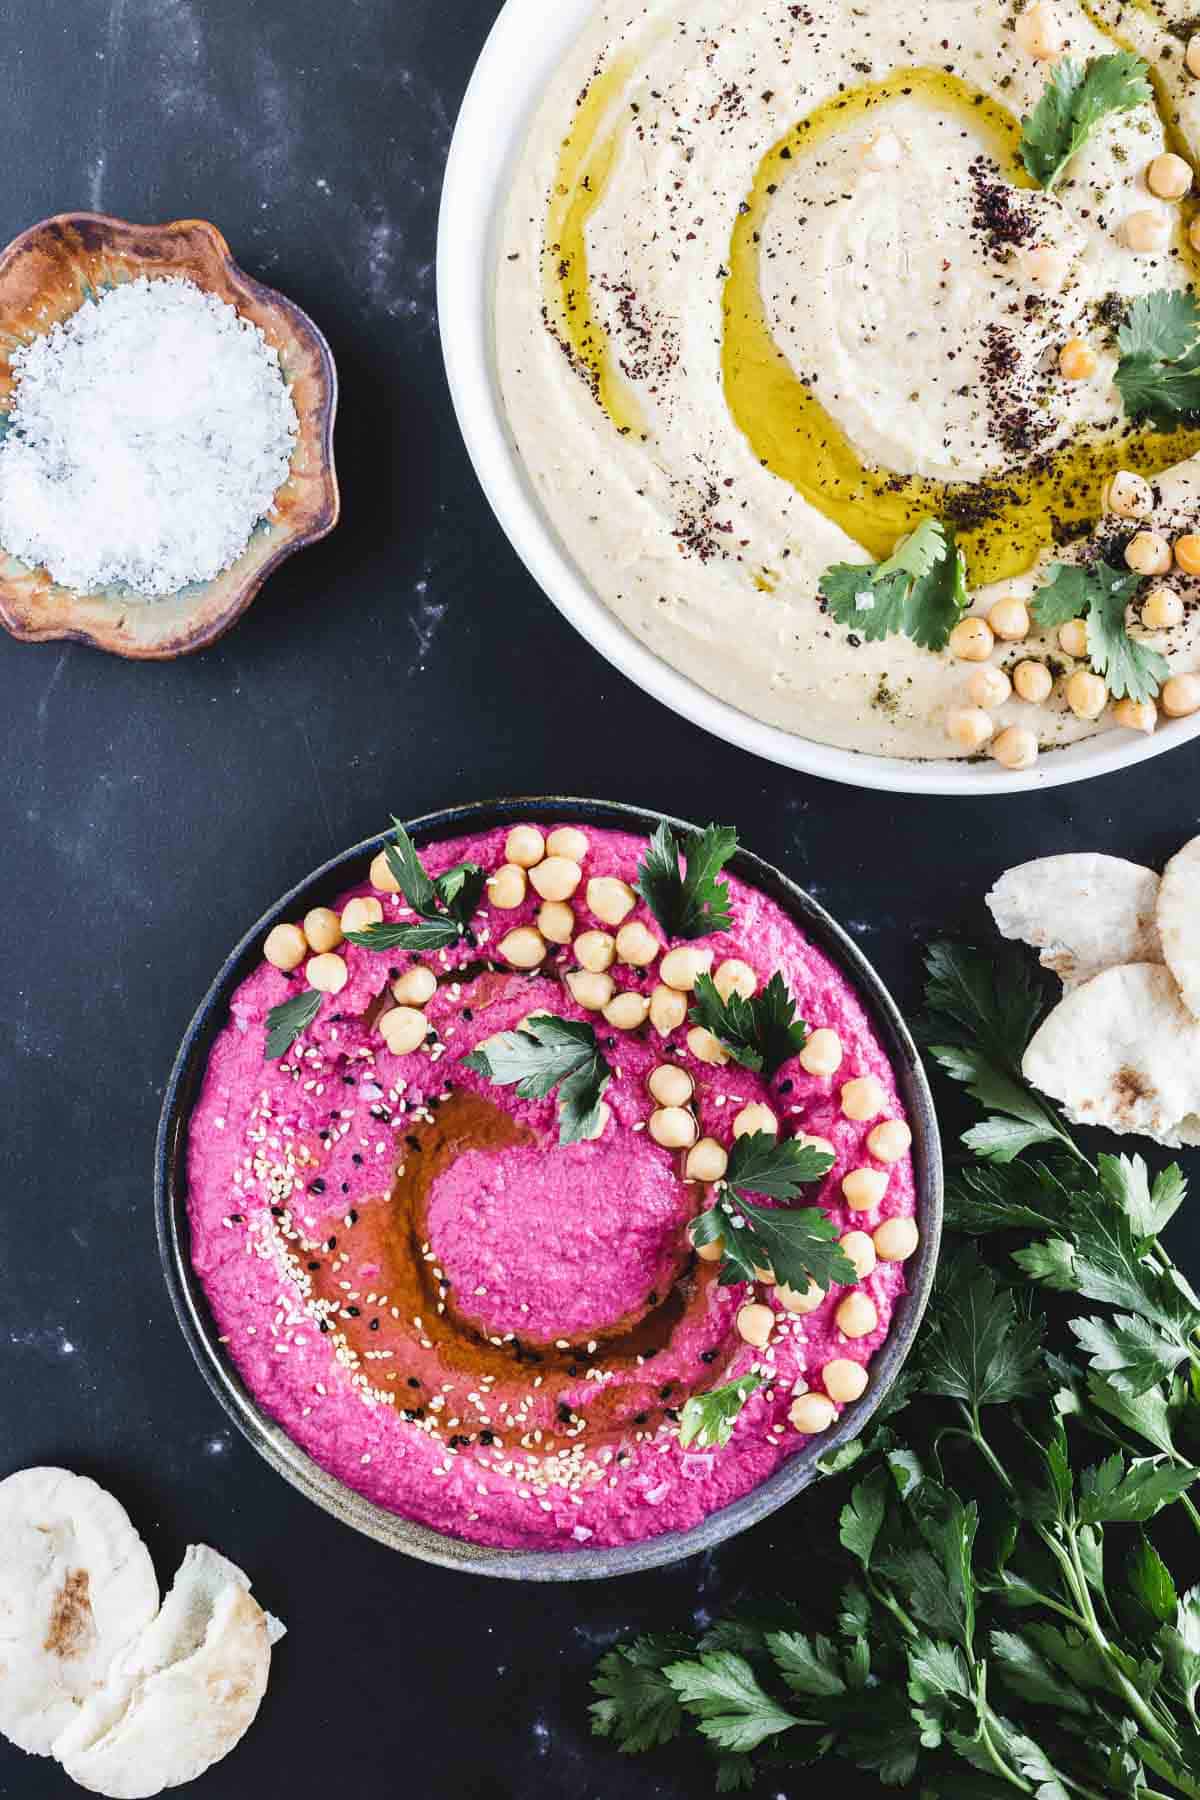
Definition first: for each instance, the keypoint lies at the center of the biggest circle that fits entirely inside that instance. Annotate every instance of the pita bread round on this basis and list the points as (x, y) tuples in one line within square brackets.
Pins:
[(76, 1587), (181, 1696), (1179, 922), (1123, 1051), (1083, 913)]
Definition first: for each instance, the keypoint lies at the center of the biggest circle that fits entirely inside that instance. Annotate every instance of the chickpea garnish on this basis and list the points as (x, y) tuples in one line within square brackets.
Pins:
[(1191, 55), (969, 727), (896, 1239), (857, 1316), (627, 1012), (507, 887), (755, 1118), (707, 1161), (890, 1142), (328, 973), (859, 1248), (844, 1381), (524, 846), (989, 686), (1128, 495), (972, 640), (381, 876), (1168, 176), (706, 1048), (610, 900), (363, 911), (323, 928), (403, 1030), (668, 1010), (595, 950), (1162, 609), (863, 1098), (1015, 748), (568, 842), (864, 1188), (1073, 637), (1033, 682), (1147, 233), (1136, 715), (637, 946), (755, 1324), (673, 1127), (672, 1086), (823, 1053), (1077, 361), (1149, 554), (681, 969), (1087, 695), (286, 947), (591, 990), (416, 987), (556, 878), (793, 1301), (556, 921), (811, 1414), (524, 948), (1180, 697), (1039, 31), (735, 977), (1187, 553)]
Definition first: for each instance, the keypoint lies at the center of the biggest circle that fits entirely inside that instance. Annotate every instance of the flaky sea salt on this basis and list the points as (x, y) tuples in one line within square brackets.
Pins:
[(148, 435)]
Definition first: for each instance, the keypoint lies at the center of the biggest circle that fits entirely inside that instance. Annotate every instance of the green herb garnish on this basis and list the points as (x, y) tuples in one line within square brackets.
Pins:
[(445, 905), (1100, 595), (286, 1021), (920, 591), (798, 1247), (548, 1053), (760, 1034), (688, 903), (709, 1419), (1158, 376), (1078, 98)]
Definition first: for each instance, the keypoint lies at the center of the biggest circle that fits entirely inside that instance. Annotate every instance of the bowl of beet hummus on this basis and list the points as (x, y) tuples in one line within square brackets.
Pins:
[(545, 1188)]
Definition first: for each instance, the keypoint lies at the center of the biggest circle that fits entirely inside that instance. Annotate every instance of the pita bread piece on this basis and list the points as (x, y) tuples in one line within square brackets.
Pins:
[(1179, 922), (76, 1587), (1123, 1051), (1083, 913), (183, 1695)]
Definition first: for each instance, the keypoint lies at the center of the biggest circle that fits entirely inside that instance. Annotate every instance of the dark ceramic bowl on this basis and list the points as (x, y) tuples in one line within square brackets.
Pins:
[(272, 1441), (46, 275)]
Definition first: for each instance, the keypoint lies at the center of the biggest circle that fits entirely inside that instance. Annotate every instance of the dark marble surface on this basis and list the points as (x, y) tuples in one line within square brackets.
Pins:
[(148, 813)]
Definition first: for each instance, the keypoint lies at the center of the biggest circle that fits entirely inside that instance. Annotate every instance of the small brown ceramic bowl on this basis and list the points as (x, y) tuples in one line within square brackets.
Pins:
[(46, 274)]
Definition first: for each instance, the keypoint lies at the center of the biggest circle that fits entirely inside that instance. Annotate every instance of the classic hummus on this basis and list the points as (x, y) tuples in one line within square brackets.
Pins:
[(774, 285), (486, 1329)]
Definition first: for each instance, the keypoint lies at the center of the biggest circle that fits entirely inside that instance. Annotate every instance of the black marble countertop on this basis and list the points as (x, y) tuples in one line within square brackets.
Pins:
[(148, 813)]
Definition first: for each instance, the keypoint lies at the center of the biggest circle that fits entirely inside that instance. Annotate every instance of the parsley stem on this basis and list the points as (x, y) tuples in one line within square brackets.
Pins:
[(885, 1598), (1168, 1770), (975, 1434)]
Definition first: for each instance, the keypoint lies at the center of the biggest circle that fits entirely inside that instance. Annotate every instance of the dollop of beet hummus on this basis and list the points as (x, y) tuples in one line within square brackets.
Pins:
[(467, 1321)]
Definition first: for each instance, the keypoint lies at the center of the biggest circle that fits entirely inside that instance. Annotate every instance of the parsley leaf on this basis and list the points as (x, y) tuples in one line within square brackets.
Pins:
[(407, 869), (1116, 1493), (724, 1693), (638, 1708), (1158, 376), (778, 1168), (1101, 594), (548, 1053), (433, 934), (762, 1033), (1126, 1182), (688, 903), (286, 1021), (1066, 595), (981, 1348), (797, 1246), (460, 890), (920, 591), (444, 906), (710, 1418), (810, 1666), (1102, 1260), (991, 999), (1164, 325), (998, 1140), (1130, 1352), (1077, 98)]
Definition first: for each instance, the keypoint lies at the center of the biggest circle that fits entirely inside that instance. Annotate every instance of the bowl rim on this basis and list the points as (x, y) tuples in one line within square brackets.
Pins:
[(304, 329), (391, 1529), (522, 49)]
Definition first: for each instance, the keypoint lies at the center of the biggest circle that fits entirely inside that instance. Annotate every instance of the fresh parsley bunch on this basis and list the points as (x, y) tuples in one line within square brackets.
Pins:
[(920, 591)]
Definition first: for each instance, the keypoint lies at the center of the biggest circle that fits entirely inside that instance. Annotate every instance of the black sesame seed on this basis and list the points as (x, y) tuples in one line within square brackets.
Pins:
[(708, 1356), (654, 1297), (317, 1186), (487, 1437), (785, 1087), (414, 1143), (352, 1217), (640, 1418), (413, 1382), (356, 1157), (331, 1243), (313, 1267), (374, 1325), (324, 1325), (354, 1312)]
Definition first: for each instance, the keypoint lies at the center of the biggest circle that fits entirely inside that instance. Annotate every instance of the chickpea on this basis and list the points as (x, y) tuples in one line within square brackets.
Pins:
[(403, 1030), (793, 1301), (381, 876), (1009, 619), (1128, 495), (568, 842), (323, 928), (524, 948), (1047, 267), (1033, 681), (416, 987), (1136, 715), (1162, 609), (595, 950), (328, 973), (890, 1142), (707, 1161), (1149, 554), (811, 1414), (972, 640), (590, 990), (556, 878), (1180, 697), (822, 1054), (1073, 637), (524, 846), (668, 1010), (863, 1098), (755, 1324), (556, 921), (969, 727), (1192, 56), (1016, 748), (844, 1381), (506, 888), (673, 1127), (671, 1086), (1087, 695), (286, 947), (883, 151), (706, 1048), (636, 945), (735, 977), (609, 899), (361, 912), (1187, 553), (864, 1188), (861, 1252), (989, 686), (857, 1316), (1077, 361), (627, 1012), (681, 969), (896, 1239), (1168, 176), (755, 1118), (1039, 32), (1147, 233)]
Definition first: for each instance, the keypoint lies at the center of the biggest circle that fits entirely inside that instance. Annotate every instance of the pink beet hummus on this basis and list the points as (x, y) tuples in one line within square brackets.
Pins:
[(469, 1323)]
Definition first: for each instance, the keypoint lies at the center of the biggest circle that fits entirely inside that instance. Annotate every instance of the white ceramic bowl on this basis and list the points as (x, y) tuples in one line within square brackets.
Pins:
[(526, 43)]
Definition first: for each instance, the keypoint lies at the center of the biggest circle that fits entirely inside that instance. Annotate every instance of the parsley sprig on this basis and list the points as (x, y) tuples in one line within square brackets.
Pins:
[(1100, 595), (547, 1053), (445, 905), (1077, 99), (761, 1033), (798, 1246), (1158, 375), (688, 901), (708, 1419), (286, 1021), (919, 592)]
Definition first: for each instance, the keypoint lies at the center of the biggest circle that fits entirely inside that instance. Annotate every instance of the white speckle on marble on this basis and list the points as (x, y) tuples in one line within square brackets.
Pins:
[(425, 624)]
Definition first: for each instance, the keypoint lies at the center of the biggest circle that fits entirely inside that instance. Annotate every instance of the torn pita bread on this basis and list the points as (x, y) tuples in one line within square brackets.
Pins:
[(1083, 913), (76, 1587), (1123, 1051), (180, 1697), (1179, 922)]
